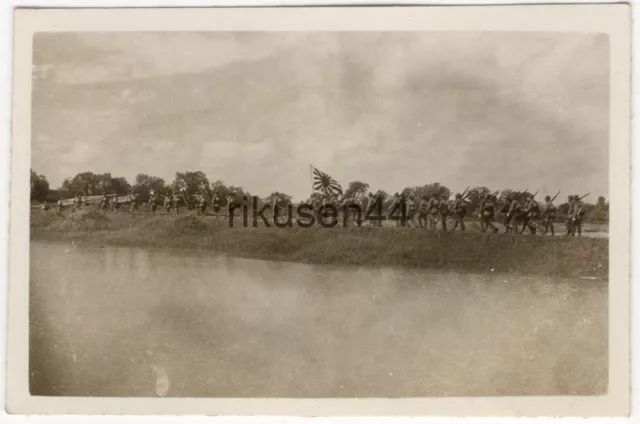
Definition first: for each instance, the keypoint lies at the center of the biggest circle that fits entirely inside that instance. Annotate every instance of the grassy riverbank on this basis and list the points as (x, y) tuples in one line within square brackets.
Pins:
[(471, 251)]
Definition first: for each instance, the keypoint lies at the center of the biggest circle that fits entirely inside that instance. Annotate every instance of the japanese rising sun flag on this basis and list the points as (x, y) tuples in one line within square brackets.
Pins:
[(325, 183)]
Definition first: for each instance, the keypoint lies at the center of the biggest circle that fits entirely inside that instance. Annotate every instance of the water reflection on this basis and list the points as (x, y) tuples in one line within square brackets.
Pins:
[(142, 322)]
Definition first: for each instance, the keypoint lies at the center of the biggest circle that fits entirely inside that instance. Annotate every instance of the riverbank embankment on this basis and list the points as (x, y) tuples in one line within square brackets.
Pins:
[(404, 247)]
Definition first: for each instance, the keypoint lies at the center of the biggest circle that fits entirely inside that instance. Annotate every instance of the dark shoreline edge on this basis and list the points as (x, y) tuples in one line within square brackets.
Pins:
[(469, 251)]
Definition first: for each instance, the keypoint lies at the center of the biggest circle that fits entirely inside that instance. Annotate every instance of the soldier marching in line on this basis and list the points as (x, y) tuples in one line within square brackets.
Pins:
[(175, 202), (168, 203), (578, 215), (134, 204), (152, 203), (368, 209), (76, 203), (549, 216), (395, 208), (433, 208), (380, 198), (487, 213), (60, 205), (524, 211), (459, 210), (358, 201), (515, 211), (444, 211), (202, 206), (411, 211), (531, 214), (507, 212), (422, 212), (376, 203), (504, 209), (103, 203), (569, 217), (361, 201), (217, 203), (116, 204), (344, 205), (231, 201)]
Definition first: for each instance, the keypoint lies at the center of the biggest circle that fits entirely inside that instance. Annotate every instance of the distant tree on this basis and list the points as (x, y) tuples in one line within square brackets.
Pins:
[(237, 190), (315, 198), (599, 213), (80, 184), (39, 187), (191, 179), (219, 189), (86, 184), (280, 199), (120, 186), (145, 183), (90, 184), (103, 183), (434, 189), (407, 190), (356, 187)]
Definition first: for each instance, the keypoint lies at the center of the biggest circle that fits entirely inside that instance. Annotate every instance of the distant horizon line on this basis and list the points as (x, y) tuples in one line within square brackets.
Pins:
[(390, 193)]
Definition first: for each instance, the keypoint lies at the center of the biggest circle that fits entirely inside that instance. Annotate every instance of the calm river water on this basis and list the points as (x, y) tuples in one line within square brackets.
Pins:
[(118, 321)]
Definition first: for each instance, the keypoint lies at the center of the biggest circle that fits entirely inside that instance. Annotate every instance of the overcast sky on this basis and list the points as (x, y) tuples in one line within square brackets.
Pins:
[(518, 110)]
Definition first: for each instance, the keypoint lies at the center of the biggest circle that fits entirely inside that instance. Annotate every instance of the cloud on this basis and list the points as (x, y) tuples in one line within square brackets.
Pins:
[(393, 109)]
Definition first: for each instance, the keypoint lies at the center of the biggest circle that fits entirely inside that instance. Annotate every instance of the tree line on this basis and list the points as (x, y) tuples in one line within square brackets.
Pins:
[(91, 184)]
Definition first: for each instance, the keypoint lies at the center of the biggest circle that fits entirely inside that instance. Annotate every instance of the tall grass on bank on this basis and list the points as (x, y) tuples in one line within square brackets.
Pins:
[(539, 255)]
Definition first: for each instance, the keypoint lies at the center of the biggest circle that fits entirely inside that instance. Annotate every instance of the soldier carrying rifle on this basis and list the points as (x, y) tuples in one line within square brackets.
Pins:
[(549, 214), (152, 202), (445, 210), (569, 217), (531, 211), (459, 210), (103, 203), (433, 207), (578, 215), (115, 203), (168, 203), (134, 204), (513, 210), (487, 213)]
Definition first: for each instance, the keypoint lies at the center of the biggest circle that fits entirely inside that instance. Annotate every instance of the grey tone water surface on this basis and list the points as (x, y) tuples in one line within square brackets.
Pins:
[(118, 321)]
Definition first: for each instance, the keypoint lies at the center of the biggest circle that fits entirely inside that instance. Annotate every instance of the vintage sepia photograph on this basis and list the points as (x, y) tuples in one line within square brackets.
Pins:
[(321, 214)]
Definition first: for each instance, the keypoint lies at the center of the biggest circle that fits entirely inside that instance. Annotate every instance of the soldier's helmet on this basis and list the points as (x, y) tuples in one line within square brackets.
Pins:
[(576, 197), (458, 195), (547, 198), (487, 196)]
